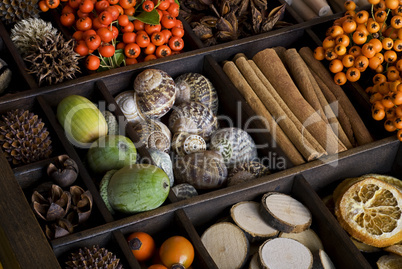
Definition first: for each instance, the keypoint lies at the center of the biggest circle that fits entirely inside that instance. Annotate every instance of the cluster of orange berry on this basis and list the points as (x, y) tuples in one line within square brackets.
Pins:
[(369, 40)]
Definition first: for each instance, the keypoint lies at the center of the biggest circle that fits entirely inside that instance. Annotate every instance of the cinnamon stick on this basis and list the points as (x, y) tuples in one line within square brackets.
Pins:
[(244, 88), (272, 67), (286, 110), (287, 125), (320, 7), (340, 112), (360, 131), (303, 10)]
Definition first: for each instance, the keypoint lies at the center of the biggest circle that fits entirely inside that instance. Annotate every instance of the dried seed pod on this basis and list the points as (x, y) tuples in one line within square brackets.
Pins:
[(5, 76), (64, 171), (203, 170), (81, 205), (235, 145), (127, 101), (184, 143), (246, 171), (153, 134), (163, 161), (193, 118), (112, 124), (198, 88), (156, 92)]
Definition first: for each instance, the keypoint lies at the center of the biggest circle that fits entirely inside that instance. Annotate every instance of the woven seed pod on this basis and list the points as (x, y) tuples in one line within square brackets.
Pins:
[(235, 145), (184, 143), (156, 92), (193, 118), (198, 88), (203, 170), (163, 161), (153, 134), (24, 138)]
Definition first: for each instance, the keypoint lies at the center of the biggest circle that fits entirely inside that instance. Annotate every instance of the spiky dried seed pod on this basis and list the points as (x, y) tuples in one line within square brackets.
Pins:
[(25, 33), (15, 10), (53, 60), (93, 257), (24, 138)]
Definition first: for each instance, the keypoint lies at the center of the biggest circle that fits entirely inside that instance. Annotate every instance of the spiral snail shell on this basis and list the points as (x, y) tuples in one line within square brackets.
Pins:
[(156, 92), (235, 145), (198, 88), (184, 191), (185, 143), (153, 134), (163, 161), (128, 104), (203, 170), (193, 118), (246, 171)]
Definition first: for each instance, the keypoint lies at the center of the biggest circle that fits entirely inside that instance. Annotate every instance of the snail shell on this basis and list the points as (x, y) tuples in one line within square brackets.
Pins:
[(193, 118), (246, 171), (184, 191), (203, 170), (113, 126), (198, 88), (185, 143), (128, 104), (153, 134), (235, 145), (156, 92), (163, 161)]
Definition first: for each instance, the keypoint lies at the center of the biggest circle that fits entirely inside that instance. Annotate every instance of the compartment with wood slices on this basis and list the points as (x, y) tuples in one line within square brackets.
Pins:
[(376, 174), (241, 223)]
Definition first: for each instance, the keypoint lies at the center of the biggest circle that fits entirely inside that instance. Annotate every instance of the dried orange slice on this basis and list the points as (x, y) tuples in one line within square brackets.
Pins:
[(370, 210)]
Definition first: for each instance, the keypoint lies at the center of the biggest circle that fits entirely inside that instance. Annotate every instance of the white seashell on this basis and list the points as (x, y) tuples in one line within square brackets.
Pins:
[(235, 145), (185, 143), (128, 105), (163, 161)]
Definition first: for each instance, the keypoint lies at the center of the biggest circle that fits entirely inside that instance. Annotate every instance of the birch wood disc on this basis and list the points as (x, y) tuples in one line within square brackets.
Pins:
[(284, 213), (247, 216), (308, 238), (322, 260), (391, 261), (285, 253), (396, 249), (227, 245), (254, 263)]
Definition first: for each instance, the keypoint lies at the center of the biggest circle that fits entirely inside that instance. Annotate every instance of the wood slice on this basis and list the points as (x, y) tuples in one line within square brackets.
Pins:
[(322, 260), (364, 247), (280, 253), (284, 213), (391, 261), (308, 238), (254, 263), (227, 244), (247, 216), (396, 249)]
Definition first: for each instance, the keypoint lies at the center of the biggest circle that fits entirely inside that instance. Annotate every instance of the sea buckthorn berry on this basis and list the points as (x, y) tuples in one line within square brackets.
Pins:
[(396, 21), (336, 66), (390, 113), (355, 51), (379, 78), (359, 37), (361, 63), (361, 16), (342, 40), (375, 97), (398, 10), (378, 114), (330, 54), (340, 78), (380, 16), (374, 62), (348, 60), (340, 50), (387, 102), (397, 99), (387, 43), (377, 44), (392, 73), (349, 26), (379, 69), (336, 31), (398, 65), (398, 45), (383, 88), (391, 4), (389, 125), (393, 85), (353, 74), (374, 2), (373, 27), (390, 56), (399, 135), (362, 28), (380, 5), (368, 50), (349, 5)]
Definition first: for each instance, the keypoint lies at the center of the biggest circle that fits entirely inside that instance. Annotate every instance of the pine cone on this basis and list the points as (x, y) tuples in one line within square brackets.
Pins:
[(93, 257), (14, 10), (53, 59), (24, 138)]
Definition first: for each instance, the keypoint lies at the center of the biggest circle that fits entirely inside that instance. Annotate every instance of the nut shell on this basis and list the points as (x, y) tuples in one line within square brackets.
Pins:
[(156, 92)]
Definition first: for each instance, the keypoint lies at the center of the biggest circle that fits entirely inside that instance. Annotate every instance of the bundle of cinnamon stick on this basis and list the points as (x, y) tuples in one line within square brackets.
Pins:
[(296, 96)]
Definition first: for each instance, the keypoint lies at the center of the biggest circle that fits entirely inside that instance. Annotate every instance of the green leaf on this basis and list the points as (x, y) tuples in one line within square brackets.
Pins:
[(148, 17), (177, 2), (118, 57)]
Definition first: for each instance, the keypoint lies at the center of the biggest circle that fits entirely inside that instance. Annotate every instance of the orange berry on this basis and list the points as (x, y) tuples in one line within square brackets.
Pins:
[(335, 66)]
